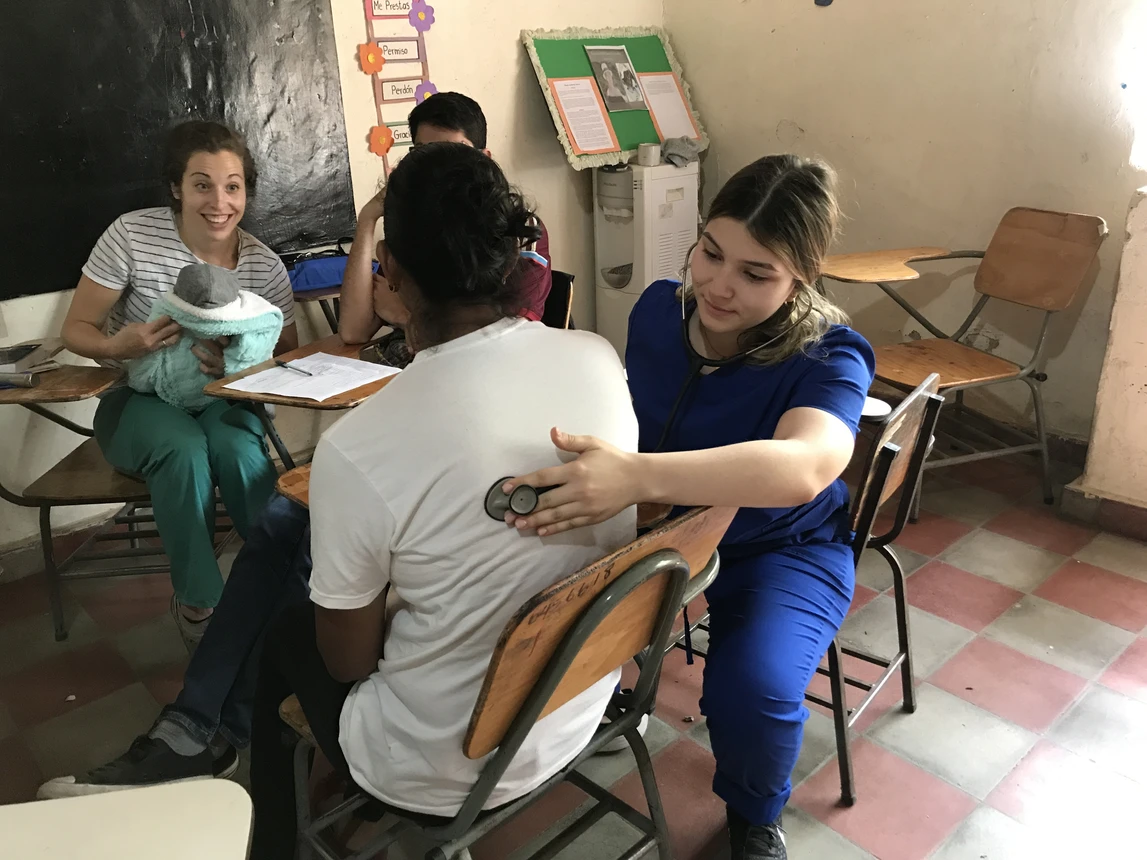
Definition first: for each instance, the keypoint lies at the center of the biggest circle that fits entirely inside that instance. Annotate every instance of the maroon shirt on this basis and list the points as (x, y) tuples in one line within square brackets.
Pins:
[(535, 279)]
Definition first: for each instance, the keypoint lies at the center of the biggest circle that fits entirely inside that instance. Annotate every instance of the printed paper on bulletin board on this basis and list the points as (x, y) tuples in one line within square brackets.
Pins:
[(558, 54)]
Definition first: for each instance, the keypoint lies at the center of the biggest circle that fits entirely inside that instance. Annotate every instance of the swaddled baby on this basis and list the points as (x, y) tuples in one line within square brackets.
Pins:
[(208, 303)]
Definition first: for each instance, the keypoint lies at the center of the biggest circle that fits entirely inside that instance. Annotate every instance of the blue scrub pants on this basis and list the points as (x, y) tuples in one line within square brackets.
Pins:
[(772, 617)]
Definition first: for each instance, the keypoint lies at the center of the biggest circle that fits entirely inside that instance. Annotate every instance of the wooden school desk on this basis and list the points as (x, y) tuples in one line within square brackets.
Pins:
[(883, 268), (332, 345), (207, 818), (328, 299), (66, 384)]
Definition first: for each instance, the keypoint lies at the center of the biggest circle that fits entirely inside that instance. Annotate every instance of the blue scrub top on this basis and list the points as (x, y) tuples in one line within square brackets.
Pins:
[(743, 402)]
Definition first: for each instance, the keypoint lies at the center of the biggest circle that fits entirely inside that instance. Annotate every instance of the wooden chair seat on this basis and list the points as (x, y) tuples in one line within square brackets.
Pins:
[(84, 477), (291, 713), (870, 267), (909, 364)]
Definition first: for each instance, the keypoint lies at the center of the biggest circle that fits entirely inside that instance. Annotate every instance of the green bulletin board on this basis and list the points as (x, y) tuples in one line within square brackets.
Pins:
[(561, 54)]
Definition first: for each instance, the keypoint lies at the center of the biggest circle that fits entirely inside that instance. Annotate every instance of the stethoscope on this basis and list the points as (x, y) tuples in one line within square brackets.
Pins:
[(524, 499)]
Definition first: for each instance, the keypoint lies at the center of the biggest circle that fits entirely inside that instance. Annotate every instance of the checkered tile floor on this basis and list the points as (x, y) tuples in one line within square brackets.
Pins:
[(1030, 739)]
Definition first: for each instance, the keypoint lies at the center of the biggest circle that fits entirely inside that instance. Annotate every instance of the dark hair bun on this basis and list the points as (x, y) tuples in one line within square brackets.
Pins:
[(454, 223)]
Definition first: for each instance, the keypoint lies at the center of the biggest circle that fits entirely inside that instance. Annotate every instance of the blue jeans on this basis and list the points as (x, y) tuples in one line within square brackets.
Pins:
[(271, 571), (771, 619)]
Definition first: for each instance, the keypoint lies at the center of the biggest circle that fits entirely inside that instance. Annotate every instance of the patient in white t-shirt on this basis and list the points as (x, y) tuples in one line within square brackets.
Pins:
[(396, 496)]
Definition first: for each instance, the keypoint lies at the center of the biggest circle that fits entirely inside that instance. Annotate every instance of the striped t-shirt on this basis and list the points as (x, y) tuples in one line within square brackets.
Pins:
[(141, 254)]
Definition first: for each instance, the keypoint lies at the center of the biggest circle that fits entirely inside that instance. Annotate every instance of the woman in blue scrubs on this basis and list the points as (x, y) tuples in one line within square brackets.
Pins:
[(759, 410)]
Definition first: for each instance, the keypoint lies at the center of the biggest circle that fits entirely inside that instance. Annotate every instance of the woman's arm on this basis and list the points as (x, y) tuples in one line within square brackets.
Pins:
[(809, 451), (357, 318), (83, 329)]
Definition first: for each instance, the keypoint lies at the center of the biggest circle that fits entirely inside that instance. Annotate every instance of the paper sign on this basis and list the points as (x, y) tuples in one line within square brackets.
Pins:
[(583, 114), (402, 135), (399, 50), (398, 91), (389, 8), (667, 106)]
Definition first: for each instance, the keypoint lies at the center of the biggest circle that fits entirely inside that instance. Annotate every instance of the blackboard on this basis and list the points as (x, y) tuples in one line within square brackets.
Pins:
[(89, 89)]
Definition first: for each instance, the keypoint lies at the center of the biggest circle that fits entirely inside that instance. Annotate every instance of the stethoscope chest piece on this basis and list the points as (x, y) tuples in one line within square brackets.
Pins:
[(521, 501)]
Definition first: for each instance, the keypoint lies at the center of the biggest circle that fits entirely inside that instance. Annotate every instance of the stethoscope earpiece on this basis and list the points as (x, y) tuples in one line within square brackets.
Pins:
[(521, 501)]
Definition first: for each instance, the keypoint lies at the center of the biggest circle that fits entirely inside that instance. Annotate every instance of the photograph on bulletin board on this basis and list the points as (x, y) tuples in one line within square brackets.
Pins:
[(615, 77)]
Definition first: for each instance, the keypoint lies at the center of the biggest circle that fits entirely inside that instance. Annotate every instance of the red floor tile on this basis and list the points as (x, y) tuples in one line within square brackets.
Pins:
[(697, 824), (41, 691), (117, 605), (679, 694), (1039, 526), (932, 535), (861, 596), (1108, 596), (536, 820), (902, 812), (1052, 785), (1012, 685), (1128, 674), (958, 596), (23, 598), (19, 775), (1000, 475), (165, 684)]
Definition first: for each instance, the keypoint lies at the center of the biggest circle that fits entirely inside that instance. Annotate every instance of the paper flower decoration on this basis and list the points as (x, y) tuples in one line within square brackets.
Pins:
[(421, 15), (424, 91), (370, 58), (381, 140)]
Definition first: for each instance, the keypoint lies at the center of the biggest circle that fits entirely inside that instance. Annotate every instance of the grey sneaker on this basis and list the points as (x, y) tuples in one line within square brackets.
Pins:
[(755, 841), (147, 762), (191, 631)]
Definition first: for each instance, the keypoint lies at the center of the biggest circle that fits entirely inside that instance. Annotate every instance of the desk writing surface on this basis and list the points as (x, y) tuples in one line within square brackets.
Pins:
[(870, 267), (63, 385), (135, 824), (317, 295), (332, 345)]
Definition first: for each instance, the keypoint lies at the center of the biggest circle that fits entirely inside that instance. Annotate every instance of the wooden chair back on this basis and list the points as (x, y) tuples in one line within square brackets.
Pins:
[(559, 303), (534, 633), (1040, 259), (900, 434)]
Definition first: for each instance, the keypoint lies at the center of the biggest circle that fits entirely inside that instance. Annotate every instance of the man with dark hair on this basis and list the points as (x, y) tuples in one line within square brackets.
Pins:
[(365, 303)]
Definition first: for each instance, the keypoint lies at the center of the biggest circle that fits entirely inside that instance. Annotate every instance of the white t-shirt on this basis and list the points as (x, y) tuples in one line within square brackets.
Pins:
[(397, 496), (142, 254)]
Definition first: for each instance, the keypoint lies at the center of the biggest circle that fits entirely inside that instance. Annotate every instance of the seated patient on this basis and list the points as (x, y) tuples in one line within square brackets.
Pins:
[(207, 304), (396, 497)]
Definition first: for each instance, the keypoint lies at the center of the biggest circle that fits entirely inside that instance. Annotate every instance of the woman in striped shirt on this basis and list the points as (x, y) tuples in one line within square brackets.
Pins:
[(182, 456)]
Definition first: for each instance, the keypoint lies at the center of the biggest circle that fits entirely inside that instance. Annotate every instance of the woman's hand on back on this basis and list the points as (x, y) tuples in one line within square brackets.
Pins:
[(135, 340), (599, 484)]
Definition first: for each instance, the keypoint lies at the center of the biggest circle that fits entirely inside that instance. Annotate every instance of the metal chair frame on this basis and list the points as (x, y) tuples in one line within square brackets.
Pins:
[(88, 561), (876, 479), (453, 836)]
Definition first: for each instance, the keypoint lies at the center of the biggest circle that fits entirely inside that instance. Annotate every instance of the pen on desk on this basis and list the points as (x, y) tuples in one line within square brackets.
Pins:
[(292, 367)]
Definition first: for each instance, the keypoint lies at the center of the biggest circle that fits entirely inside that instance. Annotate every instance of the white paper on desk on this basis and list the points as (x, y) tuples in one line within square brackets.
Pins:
[(667, 103), (330, 375)]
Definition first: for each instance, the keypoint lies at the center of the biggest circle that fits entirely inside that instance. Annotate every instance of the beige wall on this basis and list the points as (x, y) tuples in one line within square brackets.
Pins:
[(1117, 458), (939, 116), (472, 47)]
